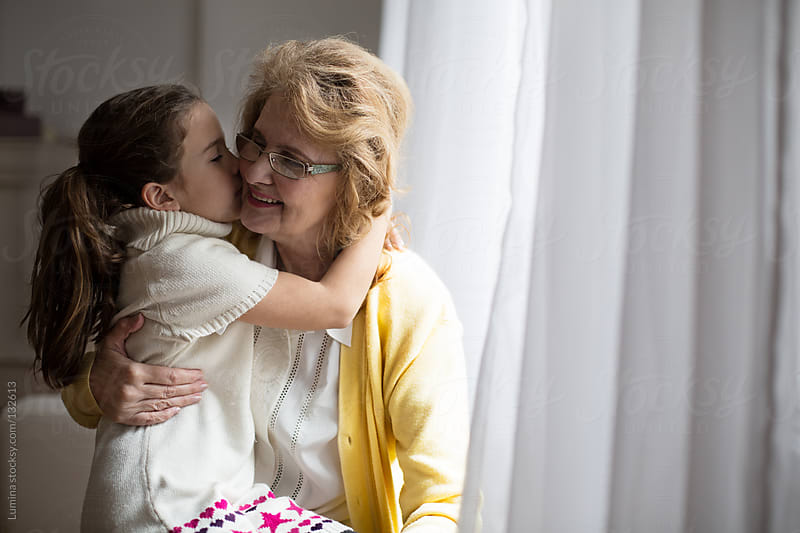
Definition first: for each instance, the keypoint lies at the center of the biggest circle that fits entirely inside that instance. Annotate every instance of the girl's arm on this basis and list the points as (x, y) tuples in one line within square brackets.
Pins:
[(295, 302), (137, 394)]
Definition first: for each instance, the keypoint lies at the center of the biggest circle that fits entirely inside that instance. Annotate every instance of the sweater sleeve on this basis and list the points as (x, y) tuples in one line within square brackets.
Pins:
[(427, 403), (77, 397), (195, 286)]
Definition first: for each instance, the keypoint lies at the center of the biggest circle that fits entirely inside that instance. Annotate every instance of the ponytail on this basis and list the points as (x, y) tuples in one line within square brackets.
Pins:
[(131, 139), (75, 275)]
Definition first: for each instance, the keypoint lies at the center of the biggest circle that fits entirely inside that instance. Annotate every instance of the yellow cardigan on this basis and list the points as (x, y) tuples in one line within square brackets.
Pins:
[(403, 422)]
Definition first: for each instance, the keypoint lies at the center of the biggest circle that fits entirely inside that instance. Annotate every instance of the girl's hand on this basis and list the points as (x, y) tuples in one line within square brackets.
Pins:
[(138, 394), (393, 239)]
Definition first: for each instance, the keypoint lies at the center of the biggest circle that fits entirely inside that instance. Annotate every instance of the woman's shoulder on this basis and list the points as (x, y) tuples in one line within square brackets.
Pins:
[(411, 280), (245, 240), (408, 268), (412, 307)]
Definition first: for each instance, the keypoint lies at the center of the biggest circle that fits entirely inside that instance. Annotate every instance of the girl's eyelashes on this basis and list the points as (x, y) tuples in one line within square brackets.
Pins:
[(223, 151)]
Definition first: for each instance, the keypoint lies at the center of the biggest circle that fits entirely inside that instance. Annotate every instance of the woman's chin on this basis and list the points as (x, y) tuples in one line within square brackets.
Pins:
[(258, 222)]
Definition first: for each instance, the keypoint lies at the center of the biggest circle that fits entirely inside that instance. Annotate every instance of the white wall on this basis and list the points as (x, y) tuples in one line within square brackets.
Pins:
[(232, 37), (70, 56)]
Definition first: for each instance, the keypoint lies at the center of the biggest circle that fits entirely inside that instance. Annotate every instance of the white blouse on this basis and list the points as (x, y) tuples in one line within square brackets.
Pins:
[(295, 404)]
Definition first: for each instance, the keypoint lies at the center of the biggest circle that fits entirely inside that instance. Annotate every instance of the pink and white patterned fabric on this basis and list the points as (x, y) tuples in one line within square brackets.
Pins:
[(264, 513)]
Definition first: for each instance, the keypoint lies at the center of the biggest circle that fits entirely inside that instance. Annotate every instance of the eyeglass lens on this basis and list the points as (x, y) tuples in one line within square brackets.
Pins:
[(287, 167), (251, 151)]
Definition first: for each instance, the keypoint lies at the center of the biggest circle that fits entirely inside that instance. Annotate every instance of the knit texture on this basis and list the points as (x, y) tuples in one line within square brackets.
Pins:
[(404, 403), (180, 274), (189, 284)]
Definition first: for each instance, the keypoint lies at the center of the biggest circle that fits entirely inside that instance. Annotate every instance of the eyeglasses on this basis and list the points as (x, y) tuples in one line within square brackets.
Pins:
[(249, 150)]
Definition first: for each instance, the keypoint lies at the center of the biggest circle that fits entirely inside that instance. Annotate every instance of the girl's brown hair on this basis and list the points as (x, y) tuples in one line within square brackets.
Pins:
[(346, 98), (129, 140)]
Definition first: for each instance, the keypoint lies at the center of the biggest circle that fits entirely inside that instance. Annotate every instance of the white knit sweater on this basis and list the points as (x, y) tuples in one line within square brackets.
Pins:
[(190, 285)]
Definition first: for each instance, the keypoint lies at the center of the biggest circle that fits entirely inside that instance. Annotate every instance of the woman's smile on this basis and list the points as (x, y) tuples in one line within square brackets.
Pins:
[(262, 201), (286, 210)]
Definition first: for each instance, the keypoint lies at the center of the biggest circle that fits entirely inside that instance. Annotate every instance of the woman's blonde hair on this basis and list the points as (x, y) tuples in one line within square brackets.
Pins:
[(345, 98)]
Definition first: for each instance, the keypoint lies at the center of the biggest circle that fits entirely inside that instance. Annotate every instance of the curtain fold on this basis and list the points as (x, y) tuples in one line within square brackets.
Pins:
[(630, 280), (564, 445), (783, 481), (656, 345), (462, 64)]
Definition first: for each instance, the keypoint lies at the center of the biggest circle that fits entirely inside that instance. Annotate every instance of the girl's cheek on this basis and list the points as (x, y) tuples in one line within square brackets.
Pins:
[(232, 160)]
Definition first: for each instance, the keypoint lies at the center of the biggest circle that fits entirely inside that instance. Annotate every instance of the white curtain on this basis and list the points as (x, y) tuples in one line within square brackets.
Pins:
[(610, 189)]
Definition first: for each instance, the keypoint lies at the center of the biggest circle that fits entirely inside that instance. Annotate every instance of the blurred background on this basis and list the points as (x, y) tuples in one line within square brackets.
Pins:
[(58, 61), (608, 188)]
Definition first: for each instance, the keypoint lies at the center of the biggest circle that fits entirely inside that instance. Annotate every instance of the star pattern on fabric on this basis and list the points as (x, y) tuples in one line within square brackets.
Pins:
[(272, 521), (293, 507)]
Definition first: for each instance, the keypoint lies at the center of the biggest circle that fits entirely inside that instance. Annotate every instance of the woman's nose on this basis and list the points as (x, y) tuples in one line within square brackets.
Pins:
[(256, 172)]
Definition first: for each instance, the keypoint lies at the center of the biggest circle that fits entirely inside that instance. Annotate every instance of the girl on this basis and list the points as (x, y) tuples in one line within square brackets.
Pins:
[(137, 226)]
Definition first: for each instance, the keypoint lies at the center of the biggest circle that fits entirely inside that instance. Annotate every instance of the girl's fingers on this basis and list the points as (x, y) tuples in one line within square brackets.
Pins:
[(393, 240)]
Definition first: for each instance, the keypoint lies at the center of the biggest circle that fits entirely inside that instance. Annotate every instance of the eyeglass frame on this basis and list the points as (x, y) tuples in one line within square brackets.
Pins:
[(310, 169)]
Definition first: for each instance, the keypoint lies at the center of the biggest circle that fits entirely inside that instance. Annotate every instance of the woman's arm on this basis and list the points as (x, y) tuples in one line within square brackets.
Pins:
[(429, 412), (407, 387), (138, 394), (127, 392), (298, 303)]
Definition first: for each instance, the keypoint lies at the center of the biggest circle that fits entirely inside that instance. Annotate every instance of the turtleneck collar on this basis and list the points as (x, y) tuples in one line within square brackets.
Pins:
[(142, 227)]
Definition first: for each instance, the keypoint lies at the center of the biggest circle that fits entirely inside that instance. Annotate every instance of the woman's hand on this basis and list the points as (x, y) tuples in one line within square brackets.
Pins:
[(138, 394)]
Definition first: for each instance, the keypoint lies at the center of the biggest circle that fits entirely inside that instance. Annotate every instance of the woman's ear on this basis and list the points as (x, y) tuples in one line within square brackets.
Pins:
[(159, 197)]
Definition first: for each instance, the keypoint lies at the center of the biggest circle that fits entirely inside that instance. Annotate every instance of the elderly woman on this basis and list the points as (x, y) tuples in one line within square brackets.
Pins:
[(368, 424)]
